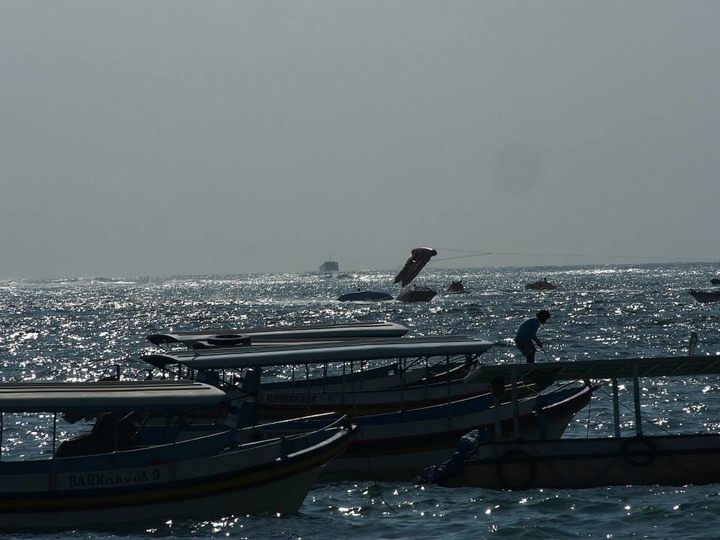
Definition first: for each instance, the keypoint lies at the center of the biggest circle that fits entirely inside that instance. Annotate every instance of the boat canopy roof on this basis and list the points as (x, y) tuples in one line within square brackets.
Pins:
[(279, 333), (615, 368), (320, 353), (108, 396)]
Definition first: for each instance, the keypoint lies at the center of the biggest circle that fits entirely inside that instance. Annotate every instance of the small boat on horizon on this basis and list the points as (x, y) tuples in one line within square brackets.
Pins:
[(456, 287), (541, 285), (330, 266)]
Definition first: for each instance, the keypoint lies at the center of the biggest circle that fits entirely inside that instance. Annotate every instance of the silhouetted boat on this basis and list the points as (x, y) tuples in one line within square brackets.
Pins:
[(232, 337), (330, 266), (105, 477), (365, 296), (541, 285), (416, 294), (641, 459), (456, 287), (705, 296), (401, 429)]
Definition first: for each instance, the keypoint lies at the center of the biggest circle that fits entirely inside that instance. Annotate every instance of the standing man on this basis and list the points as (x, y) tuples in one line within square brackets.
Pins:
[(526, 336)]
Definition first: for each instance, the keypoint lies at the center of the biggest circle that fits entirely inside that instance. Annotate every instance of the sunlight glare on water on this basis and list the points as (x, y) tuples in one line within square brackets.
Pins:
[(77, 329)]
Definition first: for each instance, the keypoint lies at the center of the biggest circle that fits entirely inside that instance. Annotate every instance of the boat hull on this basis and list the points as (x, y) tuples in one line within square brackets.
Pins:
[(593, 462), (400, 444), (188, 480), (705, 296), (288, 403), (417, 294), (540, 286), (365, 296)]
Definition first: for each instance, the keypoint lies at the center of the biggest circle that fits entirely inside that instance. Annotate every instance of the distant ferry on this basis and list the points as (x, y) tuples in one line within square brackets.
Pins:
[(330, 266)]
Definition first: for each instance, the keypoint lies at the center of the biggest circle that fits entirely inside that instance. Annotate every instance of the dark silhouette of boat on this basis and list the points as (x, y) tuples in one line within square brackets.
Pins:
[(365, 296), (541, 285), (330, 266), (456, 287), (705, 296), (416, 294)]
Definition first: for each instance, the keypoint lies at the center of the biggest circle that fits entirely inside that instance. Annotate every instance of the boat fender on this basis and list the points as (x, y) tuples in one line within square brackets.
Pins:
[(229, 340), (638, 451), (515, 458)]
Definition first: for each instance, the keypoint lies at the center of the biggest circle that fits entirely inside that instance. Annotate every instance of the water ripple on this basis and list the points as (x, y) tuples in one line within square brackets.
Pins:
[(76, 329)]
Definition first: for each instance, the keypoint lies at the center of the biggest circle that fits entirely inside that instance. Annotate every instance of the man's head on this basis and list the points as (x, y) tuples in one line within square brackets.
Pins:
[(543, 315)]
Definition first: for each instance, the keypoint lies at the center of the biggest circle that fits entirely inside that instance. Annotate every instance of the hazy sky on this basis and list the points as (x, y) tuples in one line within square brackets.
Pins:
[(173, 137)]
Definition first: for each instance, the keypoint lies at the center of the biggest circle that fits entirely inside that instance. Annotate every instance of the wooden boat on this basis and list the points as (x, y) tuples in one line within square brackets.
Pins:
[(222, 337), (399, 443), (365, 296), (418, 381), (104, 478), (541, 285), (705, 296), (386, 377), (401, 429), (355, 371), (640, 459), (416, 294)]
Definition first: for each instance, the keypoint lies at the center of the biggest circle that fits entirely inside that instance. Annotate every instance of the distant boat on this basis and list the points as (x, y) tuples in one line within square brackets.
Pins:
[(416, 294), (365, 296), (715, 281), (541, 285), (330, 266), (705, 296), (456, 287)]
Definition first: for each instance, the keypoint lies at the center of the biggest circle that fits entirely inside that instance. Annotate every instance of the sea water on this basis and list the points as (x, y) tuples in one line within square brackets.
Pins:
[(78, 329)]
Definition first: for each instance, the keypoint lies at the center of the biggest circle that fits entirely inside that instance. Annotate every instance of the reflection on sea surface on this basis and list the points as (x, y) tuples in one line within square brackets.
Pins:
[(79, 328)]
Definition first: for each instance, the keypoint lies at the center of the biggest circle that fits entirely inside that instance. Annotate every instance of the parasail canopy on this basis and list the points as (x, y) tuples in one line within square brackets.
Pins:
[(417, 261)]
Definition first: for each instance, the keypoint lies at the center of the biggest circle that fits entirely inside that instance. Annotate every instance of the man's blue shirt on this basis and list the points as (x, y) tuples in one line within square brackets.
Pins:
[(527, 331)]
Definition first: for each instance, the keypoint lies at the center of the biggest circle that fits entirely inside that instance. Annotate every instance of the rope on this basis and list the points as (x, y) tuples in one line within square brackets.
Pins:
[(629, 409), (591, 256), (375, 485)]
